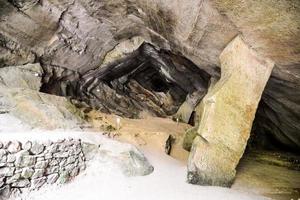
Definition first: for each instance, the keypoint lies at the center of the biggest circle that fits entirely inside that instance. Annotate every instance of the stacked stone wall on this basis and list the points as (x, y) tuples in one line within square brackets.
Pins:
[(32, 164)]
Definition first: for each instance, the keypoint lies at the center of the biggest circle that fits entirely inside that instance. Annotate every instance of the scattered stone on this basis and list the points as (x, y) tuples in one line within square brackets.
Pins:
[(7, 171), (37, 183), (14, 147), (27, 145), (38, 173), (27, 172), (21, 183), (52, 178), (135, 163), (37, 148)]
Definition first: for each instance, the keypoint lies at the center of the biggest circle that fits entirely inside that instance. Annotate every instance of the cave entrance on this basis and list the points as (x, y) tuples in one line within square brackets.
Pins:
[(149, 80)]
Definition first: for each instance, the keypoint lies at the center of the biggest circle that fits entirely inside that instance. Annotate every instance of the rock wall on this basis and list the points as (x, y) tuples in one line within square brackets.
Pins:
[(32, 164)]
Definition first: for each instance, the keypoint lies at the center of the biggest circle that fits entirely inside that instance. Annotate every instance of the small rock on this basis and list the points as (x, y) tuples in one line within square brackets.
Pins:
[(37, 148), (41, 164), (7, 171), (27, 172), (2, 153), (63, 163), (14, 147), (74, 172), (21, 183), (37, 183), (61, 155), (13, 178), (27, 145), (11, 158), (64, 177), (23, 159), (52, 169), (38, 173), (5, 191), (53, 162), (48, 156), (71, 159), (1, 182), (52, 178)]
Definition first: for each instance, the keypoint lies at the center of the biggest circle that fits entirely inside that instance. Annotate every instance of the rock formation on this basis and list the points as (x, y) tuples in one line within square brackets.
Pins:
[(131, 56)]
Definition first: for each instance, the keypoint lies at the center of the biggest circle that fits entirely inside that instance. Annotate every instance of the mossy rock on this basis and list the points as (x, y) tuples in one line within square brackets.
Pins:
[(189, 138)]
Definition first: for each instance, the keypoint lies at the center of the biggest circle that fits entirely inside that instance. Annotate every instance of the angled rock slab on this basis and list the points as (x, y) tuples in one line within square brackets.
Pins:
[(228, 111)]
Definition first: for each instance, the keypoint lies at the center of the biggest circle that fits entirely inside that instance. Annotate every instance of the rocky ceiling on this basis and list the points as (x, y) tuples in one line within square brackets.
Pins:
[(90, 47)]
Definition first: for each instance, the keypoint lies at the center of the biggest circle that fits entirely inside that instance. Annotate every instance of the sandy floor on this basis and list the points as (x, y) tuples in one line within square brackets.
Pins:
[(256, 176)]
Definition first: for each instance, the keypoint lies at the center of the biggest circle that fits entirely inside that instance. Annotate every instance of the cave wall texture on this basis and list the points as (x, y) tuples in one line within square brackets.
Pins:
[(91, 49)]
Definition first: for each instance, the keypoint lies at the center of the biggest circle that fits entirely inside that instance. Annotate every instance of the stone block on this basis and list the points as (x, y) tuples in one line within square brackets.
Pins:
[(14, 146), (27, 172), (21, 183), (37, 148), (52, 178)]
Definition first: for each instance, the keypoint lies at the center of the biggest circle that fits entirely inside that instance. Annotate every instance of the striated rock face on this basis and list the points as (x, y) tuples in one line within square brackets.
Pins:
[(113, 54)]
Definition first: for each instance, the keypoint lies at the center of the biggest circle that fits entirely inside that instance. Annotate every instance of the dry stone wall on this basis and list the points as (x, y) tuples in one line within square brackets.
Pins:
[(32, 164)]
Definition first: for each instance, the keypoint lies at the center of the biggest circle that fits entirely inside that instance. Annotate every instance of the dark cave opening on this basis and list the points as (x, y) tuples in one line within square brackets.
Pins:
[(149, 79)]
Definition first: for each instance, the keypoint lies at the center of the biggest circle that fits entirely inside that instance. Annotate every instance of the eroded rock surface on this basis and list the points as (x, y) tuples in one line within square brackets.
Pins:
[(227, 113)]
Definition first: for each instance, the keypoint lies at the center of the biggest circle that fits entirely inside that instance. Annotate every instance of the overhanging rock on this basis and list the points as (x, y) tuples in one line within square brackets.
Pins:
[(228, 111)]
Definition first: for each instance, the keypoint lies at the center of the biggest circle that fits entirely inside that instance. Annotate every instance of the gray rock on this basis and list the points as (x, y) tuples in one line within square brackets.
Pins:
[(5, 191), (13, 178), (61, 155), (1, 145), (64, 177), (37, 183), (27, 145), (51, 170), (74, 172), (1, 181), (38, 173), (37, 148), (21, 183), (53, 162), (63, 163), (14, 147), (2, 153), (7, 171), (11, 158), (52, 148), (52, 178), (41, 164), (27, 172), (23, 159), (48, 156), (22, 76), (134, 163), (71, 159)]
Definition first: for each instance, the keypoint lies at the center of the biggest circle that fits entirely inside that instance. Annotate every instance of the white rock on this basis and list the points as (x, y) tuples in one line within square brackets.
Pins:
[(52, 178), (27, 172), (37, 148), (14, 147)]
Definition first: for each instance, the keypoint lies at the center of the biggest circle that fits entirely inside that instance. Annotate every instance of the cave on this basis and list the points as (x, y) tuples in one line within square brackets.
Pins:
[(145, 87)]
